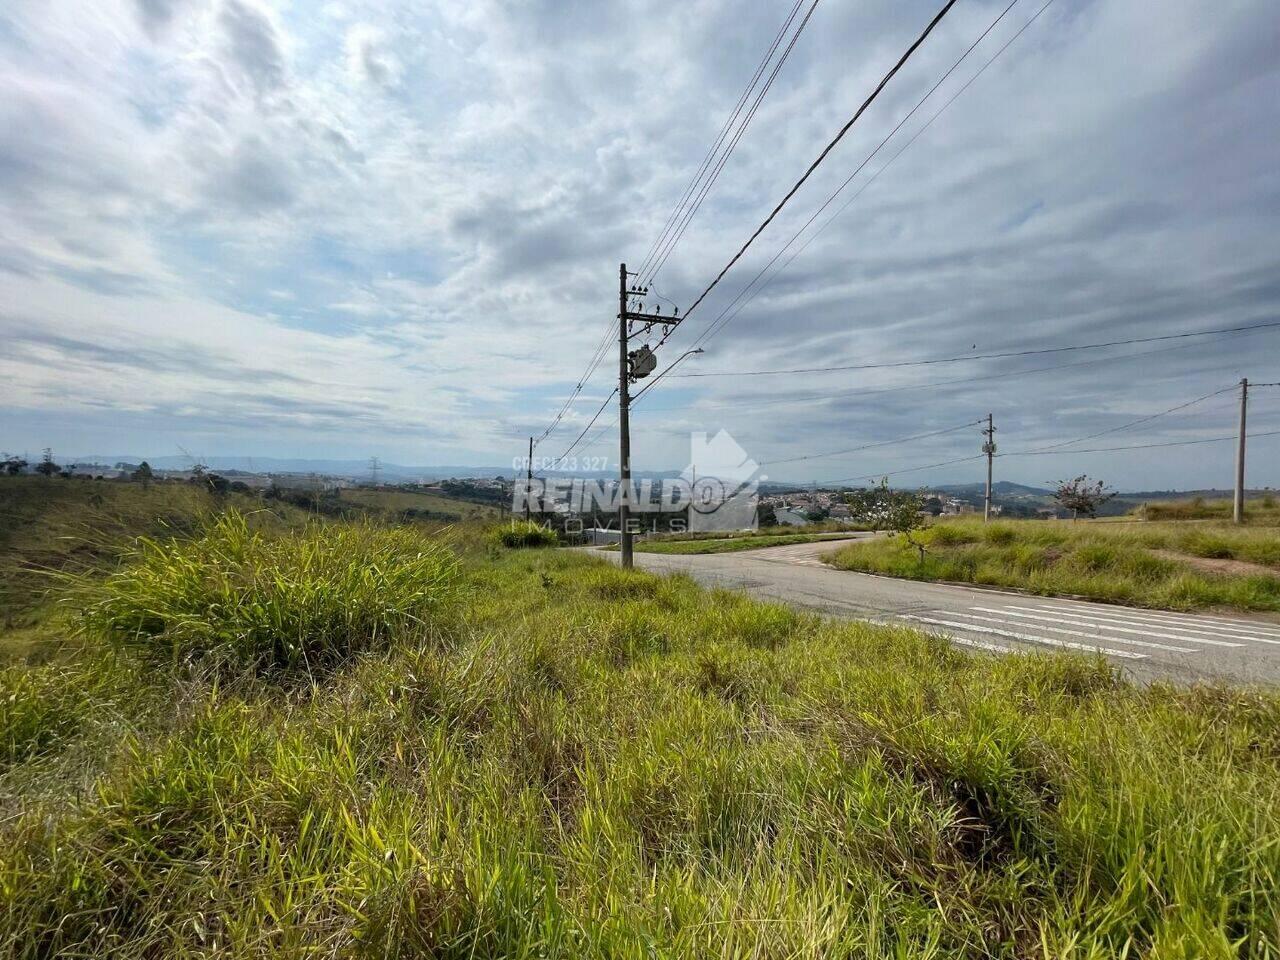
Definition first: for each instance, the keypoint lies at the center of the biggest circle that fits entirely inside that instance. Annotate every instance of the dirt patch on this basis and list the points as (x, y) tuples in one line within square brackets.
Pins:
[(1240, 568)]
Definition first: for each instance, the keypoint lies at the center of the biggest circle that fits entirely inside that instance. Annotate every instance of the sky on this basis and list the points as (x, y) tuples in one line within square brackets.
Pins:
[(365, 227)]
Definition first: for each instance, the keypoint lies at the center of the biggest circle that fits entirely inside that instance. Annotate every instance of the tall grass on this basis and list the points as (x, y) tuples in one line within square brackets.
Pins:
[(619, 765), (519, 534), (246, 599), (1130, 563)]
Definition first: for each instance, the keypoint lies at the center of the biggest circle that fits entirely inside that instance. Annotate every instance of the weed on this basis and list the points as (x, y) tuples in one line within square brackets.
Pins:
[(302, 601)]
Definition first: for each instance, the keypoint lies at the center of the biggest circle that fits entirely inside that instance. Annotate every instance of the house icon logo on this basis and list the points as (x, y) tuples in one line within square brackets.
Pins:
[(723, 483)]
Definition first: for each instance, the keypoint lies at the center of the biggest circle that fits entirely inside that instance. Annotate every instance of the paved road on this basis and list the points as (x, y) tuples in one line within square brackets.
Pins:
[(1146, 643)]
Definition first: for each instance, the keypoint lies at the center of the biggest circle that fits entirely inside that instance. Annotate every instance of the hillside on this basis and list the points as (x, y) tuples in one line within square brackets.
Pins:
[(53, 528), (265, 748)]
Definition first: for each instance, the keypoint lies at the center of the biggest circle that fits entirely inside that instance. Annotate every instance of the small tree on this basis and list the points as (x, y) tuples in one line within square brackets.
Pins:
[(898, 511), (46, 467), (1082, 495), (144, 474), (14, 465)]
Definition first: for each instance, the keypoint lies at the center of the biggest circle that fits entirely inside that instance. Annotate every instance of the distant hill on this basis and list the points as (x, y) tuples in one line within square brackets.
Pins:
[(331, 468)]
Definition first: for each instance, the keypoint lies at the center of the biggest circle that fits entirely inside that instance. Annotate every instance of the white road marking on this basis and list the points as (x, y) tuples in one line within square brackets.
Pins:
[(1031, 638), (1101, 623), (1206, 620), (1229, 633), (1074, 633)]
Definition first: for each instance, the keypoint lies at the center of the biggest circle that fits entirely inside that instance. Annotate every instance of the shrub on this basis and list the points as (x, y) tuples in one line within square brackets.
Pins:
[(519, 534), (300, 600)]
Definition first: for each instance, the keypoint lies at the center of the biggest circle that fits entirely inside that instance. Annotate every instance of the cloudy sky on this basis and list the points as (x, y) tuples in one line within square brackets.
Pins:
[(358, 227)]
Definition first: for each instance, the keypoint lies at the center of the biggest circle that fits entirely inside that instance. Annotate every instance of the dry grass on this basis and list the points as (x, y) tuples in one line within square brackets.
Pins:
[(1124, 562), (586, 762)]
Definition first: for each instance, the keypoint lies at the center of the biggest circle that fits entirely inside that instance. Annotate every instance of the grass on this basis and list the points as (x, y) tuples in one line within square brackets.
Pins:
[(593, 763), (303, 600), (1263, 510), (520, 534), (729, 545), (412, 504), (53, 529), (1140, 564)]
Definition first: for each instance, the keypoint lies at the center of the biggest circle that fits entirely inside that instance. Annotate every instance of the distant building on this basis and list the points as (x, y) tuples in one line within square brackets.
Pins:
[(790, 518)]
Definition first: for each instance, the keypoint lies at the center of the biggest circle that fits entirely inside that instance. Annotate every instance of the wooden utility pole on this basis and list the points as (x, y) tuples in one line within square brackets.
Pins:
[(989, 448), (1237, 513), (528, 480), (624, 422)]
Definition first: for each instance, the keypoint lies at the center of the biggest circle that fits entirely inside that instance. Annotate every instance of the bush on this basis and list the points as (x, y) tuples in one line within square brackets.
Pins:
[(300, 600), (519, 534)]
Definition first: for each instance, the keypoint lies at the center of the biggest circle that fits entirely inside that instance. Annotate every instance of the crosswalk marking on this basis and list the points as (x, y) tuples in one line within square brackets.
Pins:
[(1078, 633), (1213, 622), (1244, 630), (1031, 638), (1084, 619)]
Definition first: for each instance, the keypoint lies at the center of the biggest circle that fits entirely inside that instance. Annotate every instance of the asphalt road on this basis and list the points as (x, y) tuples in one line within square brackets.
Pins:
[(1147, 644)]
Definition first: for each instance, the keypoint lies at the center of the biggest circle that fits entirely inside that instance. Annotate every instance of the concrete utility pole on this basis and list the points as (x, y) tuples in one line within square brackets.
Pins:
[(528, 480), (624, 422), (1237, 513), (989, 448), (632, 366)]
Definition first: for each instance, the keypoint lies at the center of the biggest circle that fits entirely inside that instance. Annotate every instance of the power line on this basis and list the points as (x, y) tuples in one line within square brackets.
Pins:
[(596, 357), (947, 463), (894, 473), (987, 356), (1141, 446), (589, 424), (742, 129), (933, 384), (1134, 423), (715, 147), (877, 443), (915, 386), (725, 318), (826, 151)]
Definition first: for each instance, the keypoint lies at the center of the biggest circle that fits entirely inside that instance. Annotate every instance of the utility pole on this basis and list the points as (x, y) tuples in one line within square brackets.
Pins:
[(624, 423), (374, 466), (1237, 513), (632, 366), (528, 481), (989, 448)]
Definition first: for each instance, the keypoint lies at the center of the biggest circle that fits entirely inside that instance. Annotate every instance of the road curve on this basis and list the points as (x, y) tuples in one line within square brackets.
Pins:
[(1146, 644)]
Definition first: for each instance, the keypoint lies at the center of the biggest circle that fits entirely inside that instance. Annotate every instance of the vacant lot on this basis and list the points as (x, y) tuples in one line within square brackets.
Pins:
[(359, 740), (1171, 565), (1263, 510), (410, 504)]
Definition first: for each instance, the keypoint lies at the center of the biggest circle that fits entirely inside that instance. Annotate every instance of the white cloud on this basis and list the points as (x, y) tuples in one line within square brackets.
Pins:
[(425, 207), (370, 59)]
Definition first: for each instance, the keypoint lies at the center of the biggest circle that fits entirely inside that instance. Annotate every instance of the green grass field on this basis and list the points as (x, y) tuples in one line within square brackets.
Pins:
[(428, 505), (1168, 565), (363, 740)]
